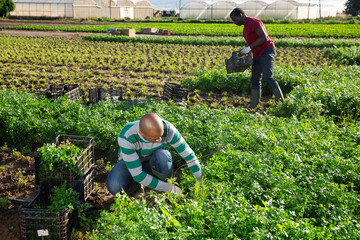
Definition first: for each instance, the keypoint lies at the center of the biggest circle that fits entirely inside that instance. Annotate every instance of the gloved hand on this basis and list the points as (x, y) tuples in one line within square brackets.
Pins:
[(198, 176), (199, 179), (245, 50), (175, 189)]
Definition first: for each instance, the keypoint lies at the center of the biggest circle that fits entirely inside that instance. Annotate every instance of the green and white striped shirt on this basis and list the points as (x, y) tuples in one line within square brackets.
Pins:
[(133, 147)]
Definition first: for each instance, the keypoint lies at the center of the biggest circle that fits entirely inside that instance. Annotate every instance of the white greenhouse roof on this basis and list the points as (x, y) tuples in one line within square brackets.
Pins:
[(253, 3), (119, 2), (195, 5)]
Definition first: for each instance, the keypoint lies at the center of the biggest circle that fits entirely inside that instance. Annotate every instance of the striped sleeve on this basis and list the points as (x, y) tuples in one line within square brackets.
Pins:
[(133, 163), (179, 144)]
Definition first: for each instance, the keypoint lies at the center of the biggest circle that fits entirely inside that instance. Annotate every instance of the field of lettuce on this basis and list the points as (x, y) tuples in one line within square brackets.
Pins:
[(218, 29), (291, 170)]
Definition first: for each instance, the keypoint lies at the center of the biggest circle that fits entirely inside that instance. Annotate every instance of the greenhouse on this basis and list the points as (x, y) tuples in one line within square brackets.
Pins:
[(83, 8), (281, 9), (193, 10)]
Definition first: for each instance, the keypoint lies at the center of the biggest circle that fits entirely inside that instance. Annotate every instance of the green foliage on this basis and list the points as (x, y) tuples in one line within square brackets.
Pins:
[(217, 29), (27, 133), (344, 55), (4, 203), (21, 181), (278, 192), (59, 160), (309, 92), (226, 41), (281, 178), (67, 197), (218, 81), (332, 92), (63, 197), (239, 83), (6, 6)]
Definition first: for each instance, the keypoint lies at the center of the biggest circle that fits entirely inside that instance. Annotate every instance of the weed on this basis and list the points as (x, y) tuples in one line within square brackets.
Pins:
[(4, 204), (108, 167), (21, 181), (5, 148), (100, 161), (27, 159), (16, 154)]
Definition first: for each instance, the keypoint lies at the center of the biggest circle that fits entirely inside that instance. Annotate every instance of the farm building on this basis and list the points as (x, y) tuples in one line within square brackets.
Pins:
[(83, 8), (281, 9)]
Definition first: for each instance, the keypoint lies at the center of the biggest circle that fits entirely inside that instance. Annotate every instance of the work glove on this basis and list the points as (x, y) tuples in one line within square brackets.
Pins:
[(198, 176), (175, 189), (245, 50)]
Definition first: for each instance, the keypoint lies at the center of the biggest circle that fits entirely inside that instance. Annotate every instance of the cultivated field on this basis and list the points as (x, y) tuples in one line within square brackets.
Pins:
[(291, 170)]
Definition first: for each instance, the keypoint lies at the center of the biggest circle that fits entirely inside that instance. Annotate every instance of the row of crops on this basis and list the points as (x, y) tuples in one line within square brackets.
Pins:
[(142, 68), (228, 41), (213, 29)]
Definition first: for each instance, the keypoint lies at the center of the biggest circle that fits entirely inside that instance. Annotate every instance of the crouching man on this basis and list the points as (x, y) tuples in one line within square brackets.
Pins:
[(143, 158)]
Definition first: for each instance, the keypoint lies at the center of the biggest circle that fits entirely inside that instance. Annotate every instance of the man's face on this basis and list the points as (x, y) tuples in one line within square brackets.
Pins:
[(152, 136), (238, 20)]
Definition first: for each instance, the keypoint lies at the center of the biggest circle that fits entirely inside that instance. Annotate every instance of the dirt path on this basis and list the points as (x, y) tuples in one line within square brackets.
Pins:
[(28, 33)]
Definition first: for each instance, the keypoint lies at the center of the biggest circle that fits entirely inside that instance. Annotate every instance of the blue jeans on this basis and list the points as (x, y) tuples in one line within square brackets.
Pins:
[(264, 65), (159, 165)]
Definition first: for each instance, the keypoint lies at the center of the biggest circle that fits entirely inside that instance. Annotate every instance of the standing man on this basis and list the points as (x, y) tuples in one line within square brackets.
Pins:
[(143, 158), (263, 49)]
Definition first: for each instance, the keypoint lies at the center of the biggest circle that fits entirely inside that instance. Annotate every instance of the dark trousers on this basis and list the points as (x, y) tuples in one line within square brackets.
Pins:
[(264, 67), (159, 164)]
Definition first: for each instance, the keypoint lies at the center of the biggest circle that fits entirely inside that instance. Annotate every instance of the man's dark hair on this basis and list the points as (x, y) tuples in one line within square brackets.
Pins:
[(237, 12)]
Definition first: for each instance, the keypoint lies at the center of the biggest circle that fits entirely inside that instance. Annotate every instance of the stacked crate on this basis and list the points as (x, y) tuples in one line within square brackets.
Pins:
[(84, 162), (174, 91), (148, 30), (36, 220), (55, 91), (101, 94), (164, 32), (124, 32)]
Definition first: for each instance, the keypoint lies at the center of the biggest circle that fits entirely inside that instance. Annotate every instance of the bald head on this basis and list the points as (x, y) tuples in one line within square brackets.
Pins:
[(151, 127)]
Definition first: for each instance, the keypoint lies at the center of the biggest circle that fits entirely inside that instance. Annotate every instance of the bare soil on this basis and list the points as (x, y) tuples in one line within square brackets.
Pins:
[(27, 33)]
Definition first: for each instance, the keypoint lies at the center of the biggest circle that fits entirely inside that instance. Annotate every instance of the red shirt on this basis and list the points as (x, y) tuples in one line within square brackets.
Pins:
[(250, 36)]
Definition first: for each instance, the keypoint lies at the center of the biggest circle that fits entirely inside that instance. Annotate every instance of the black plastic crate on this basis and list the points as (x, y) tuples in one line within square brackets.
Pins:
[(238, 62), (84, 162), (88, 184), (100, 94), (36, 217), (55, 91), (174, 91)]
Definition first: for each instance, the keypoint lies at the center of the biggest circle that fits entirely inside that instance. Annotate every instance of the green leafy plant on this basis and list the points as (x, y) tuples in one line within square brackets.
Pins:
[(63, 197), (4, 203), (59, 160), (21, 181), (344, 55), (108, 167)]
